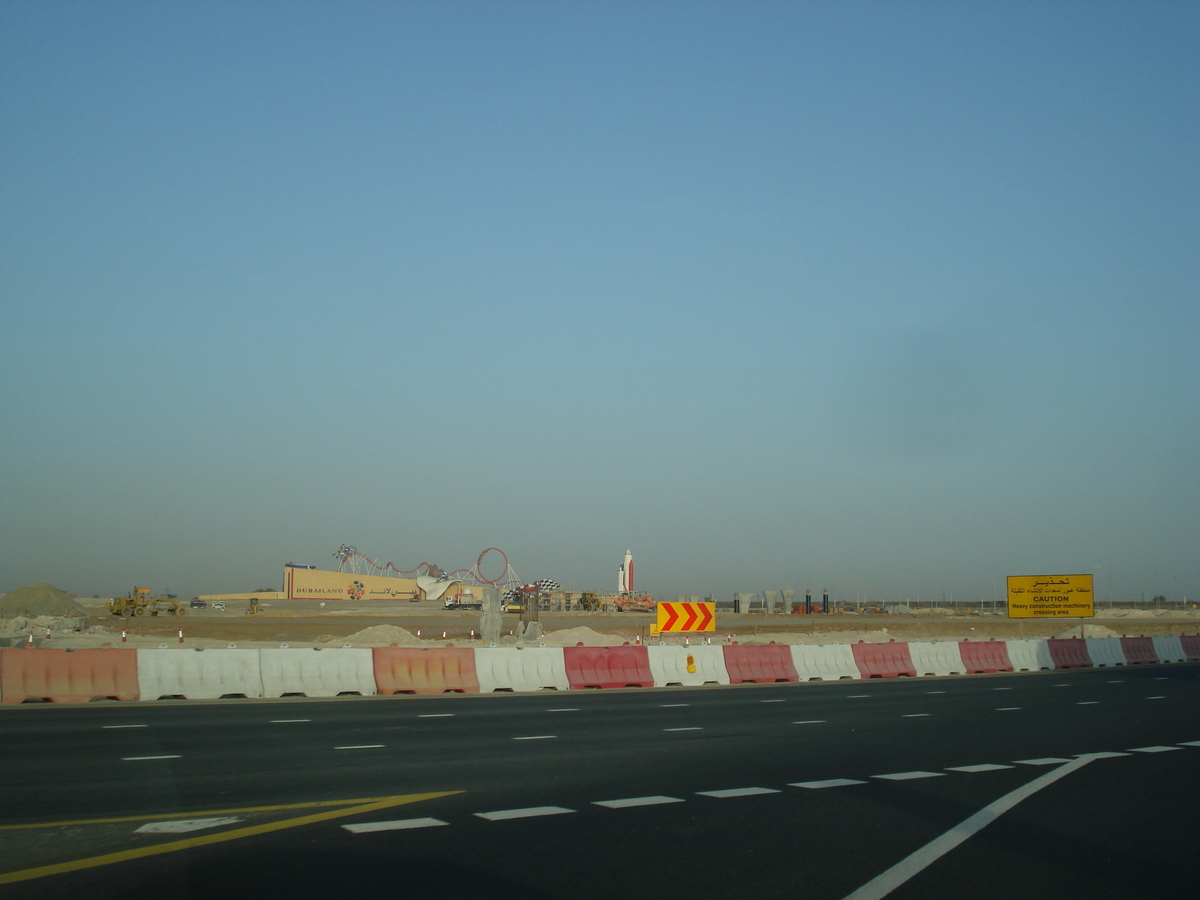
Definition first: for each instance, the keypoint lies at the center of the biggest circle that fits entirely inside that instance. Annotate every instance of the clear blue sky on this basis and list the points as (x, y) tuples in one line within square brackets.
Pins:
[(895, 298)]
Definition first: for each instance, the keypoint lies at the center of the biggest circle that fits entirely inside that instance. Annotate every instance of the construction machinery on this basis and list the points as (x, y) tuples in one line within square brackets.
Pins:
[(138, 602), (630, 602)]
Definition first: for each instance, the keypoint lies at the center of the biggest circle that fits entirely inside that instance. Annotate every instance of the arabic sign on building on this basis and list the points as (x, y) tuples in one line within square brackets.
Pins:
[(314, 584), (1050, 596)]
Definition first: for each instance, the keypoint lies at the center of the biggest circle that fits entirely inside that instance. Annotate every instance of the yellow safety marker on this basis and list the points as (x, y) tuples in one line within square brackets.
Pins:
[(204, 840)]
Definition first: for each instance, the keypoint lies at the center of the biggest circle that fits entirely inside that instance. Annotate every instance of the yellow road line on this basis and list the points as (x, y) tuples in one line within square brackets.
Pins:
[(204, 840), (184, 815)]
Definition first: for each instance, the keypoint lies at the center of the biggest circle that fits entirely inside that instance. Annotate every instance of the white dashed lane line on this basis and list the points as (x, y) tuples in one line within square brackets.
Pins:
[(982, 767), (1190, 743), (528, 812), (827, 783), (909, 776), (858, 696), (109, 727), (141, 758), (1157, 697), (688, 728), (636, 801), (935, 692), (1106, 754), (537, 737), (360, 747), (1086, 702), (738, 792), (672, 705), (394, 825), (565, 709), (810, 722), (915, 715), (1002, 689), (435, 716), (1042, 761), (772, 701), (288, 721), (1006, 708), (1156, 749)]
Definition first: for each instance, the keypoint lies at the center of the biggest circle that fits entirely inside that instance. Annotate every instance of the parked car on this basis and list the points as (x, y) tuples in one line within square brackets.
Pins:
[(198, 604), (219, 605)]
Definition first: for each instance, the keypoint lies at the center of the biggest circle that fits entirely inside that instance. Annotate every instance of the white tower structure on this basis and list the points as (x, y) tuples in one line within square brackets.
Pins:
[(625, 575)]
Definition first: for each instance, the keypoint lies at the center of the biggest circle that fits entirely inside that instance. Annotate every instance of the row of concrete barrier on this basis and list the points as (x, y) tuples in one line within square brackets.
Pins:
[(74, 676)]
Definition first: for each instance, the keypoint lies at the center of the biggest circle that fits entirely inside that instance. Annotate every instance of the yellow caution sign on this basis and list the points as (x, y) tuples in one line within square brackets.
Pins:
[(1050, 596)]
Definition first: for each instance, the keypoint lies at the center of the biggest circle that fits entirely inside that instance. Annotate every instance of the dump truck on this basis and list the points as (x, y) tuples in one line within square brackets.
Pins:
[(138, 602)]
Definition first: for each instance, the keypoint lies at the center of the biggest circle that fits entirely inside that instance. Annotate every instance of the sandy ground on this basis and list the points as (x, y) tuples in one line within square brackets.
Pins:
[(431, 627)]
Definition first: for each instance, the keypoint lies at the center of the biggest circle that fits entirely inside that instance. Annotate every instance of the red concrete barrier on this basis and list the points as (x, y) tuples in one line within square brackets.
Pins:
[(67, 676), (1069, 653), (887, 660), (411, 670), (1191, 646), (1139, 650), (608, 667), (762, 664), (985, 656)]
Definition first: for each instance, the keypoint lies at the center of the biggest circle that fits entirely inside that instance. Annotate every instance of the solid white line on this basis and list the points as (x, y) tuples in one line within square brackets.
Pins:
[(737, 792), (689, 728), (1041, 761), (909, 776), (435, 716), (636, 801), (915, 715), (982, 767), (1156, 749), (810, 722), (287, 721), (537, 737), (394, 825), (139, 758), (528, 813), (124, 726), (360, 747), (827, 783), (886, 882)]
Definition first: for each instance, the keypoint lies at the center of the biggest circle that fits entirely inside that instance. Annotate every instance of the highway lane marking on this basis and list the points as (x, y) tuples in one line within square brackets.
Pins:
[(537, 737), (738, 792), (1104, 754), (935, 692), (1064, 684), (1155, 749), (1086, 702), (220, 837), (637, 801), (858, 696), (810, 722), (909, 776), (772, 701), (108, 727), (182, 826), (1006, 708), (1002, 689), (1116, 681), (394, 825), (1041, 761), (287, 721), (827, 783), (982, 767), (529, 812), (688, 728), (360, 747), (162, 756), (1190, 743), (886, 882), (565, 709), (435, 715), (1158, 697), (672, 705), (915, 715), (1162, 678)]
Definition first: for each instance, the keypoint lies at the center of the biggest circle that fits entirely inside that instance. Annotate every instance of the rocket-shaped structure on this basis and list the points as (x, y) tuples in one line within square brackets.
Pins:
[(625, 575)]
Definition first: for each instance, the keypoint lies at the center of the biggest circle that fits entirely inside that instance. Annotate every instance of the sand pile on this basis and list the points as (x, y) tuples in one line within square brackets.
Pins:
[(38, 599), (384, 636), (569, 637)]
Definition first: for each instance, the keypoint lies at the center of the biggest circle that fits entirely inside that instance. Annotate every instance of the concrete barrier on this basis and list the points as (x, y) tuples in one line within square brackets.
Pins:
[(669, 665), (198, 674), (521, 669), (1105, 652), (760, 664), (824, 662), (433, 670), (1069, 653), (608, 667), (325, 672), (1138, 650), (1169, 649), (984, 657), (67, 676), (936, 658), (1190, 643), (886, 660), (1029, 655)]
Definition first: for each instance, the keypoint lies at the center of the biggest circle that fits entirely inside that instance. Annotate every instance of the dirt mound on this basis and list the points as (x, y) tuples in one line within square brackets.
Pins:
[(384, 636), (1092, 631), (569, 637), (38, 599)]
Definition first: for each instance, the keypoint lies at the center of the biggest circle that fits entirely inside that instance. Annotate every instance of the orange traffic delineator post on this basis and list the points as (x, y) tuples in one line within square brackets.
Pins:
[(31, 639), (443, 635), (181, 635), (122, 635), (418, 632), (47, 634)]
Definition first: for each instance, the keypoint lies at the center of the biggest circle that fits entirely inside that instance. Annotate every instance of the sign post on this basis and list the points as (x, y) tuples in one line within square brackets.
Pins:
[(1051, 597)]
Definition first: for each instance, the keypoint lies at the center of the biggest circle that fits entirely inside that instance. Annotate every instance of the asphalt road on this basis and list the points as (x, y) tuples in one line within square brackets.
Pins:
[(690, 793)]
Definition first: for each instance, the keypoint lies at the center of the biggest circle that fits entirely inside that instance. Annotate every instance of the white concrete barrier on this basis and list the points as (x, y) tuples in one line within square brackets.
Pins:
[(1106, 652), (936, 658), (317, 673), (669, 665), (1169, 649), (824, 662), (521, 669), (198, 674), (1029, 655)]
